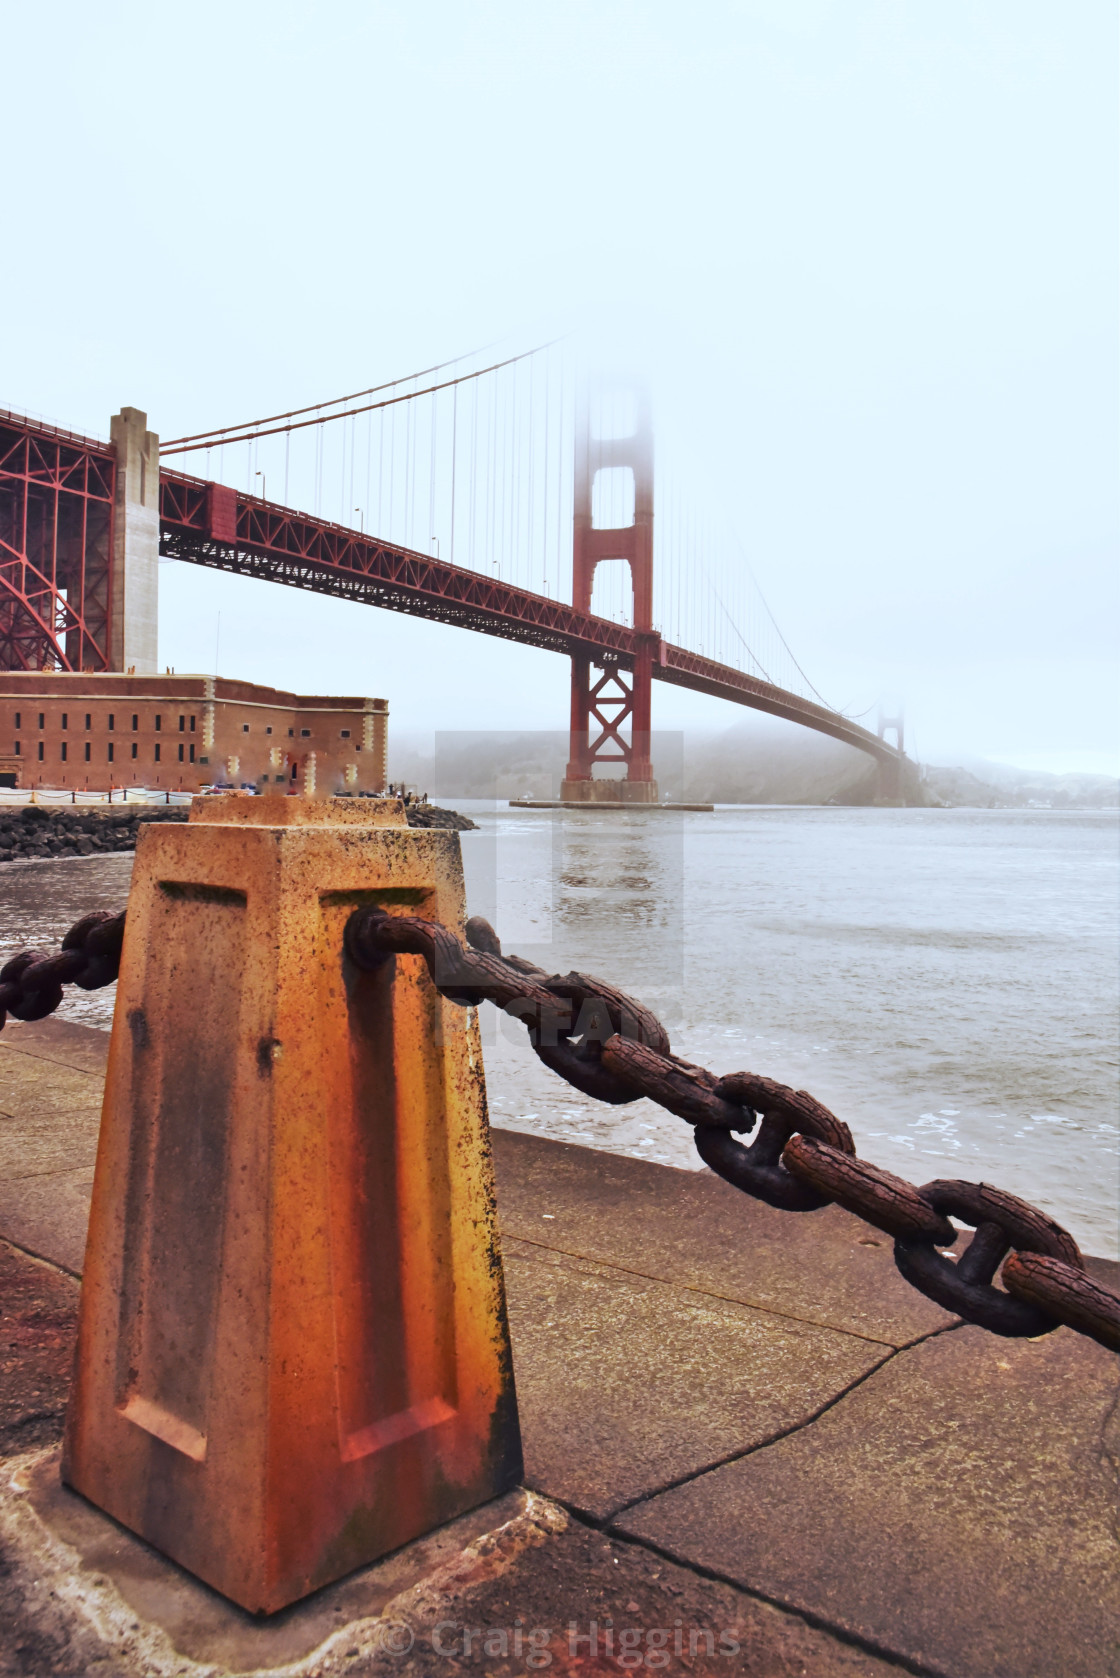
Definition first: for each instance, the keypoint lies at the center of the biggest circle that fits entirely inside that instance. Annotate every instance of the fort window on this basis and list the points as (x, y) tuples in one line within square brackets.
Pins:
[(63, 751), (17, 719), (87, 751), (19, 752), (112, 722), (291, 731), (182, 725), (89, 719), (42, 719), (159, 725), (305, 733), (64, 719), (110, 751), (40, 751), (192, 751), (268, 730), (135, 749), (244, 728), (157, 754), (135, 719), (192, 725), (346, 734), (181, 754)]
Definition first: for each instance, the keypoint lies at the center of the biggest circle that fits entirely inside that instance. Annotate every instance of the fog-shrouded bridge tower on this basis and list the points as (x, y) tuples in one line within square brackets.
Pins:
[(605, 697)]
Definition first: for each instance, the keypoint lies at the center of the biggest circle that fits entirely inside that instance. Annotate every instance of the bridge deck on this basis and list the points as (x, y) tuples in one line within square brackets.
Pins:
[(211, 524)]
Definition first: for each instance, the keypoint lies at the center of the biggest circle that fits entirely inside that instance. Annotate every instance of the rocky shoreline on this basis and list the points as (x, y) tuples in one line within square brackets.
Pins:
[(32, 833)]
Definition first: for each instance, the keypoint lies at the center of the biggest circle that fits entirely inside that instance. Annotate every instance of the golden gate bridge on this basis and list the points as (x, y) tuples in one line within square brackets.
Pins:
[(510, 495)]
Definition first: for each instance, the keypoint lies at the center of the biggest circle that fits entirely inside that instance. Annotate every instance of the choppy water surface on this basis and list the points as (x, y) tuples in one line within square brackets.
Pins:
[(945, 980)]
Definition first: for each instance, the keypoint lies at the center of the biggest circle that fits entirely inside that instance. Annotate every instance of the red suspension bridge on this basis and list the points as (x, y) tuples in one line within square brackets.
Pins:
[(514, 499)]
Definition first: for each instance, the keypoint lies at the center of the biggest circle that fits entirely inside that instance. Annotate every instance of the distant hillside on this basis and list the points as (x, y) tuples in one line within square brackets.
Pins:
[(998, 786), (757, 760)]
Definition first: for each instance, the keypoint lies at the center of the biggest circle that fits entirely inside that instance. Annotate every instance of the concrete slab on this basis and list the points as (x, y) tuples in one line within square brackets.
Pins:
[(626, 1385), (51, 1077), (33, 1088), (48, 1215), (514, 1580), (81, 1047), (958, 1510), (693, 1230)]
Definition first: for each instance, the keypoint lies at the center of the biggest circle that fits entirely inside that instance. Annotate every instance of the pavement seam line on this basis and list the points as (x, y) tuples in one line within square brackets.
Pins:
[(29, 1176), (41, 1258), (729, 1299), (53, 1060), (783, 1433), (853, 1639)]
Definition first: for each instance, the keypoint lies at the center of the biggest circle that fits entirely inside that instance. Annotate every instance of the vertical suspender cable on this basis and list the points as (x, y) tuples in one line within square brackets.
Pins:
[(353, 452), (544, 515), (392, 470), (409, 478), (531, 475), (380, 465), (432, 473), (473, 481), (560, 437), (369, 466), (454, 445)]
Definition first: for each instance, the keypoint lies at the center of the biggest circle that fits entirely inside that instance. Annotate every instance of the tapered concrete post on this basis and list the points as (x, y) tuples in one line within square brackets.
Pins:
[(293, 1354), (134, 603)]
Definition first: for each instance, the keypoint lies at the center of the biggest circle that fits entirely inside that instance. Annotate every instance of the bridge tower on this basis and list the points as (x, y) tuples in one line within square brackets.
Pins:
[(889, 787), (605, 697)]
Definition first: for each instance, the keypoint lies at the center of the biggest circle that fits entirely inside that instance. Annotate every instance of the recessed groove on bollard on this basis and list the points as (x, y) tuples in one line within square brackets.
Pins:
[(293, 1350)]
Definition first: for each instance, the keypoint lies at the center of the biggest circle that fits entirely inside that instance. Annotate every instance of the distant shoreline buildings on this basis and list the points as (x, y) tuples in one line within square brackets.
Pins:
[(99, 731)]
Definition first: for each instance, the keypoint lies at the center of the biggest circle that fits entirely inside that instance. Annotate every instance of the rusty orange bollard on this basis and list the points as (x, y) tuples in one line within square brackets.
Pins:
[(293, 1353)]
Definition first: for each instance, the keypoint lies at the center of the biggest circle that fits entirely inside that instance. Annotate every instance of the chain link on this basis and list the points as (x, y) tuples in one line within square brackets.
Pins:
[(31, 982), (612, 1048), (803, 1156)]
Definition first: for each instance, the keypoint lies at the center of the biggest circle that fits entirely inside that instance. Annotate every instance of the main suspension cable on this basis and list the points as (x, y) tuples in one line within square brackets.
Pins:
[(335, 402), (249, 432)]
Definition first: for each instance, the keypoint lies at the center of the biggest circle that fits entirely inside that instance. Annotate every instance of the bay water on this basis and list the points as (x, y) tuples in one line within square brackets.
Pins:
[(946, 981)]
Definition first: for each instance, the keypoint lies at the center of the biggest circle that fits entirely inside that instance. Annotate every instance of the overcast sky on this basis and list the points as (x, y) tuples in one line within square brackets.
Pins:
[(869, 250)]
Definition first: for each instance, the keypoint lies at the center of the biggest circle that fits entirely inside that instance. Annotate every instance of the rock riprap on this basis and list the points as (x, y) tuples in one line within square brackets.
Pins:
[(34, 833)]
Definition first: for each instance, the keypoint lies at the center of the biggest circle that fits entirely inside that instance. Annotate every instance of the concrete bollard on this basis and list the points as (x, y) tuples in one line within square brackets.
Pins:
[(293, 1353)]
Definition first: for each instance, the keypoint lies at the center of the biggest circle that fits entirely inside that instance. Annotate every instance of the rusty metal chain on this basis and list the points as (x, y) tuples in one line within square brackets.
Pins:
[(614, 1049), (31, 982), (802, 1158)]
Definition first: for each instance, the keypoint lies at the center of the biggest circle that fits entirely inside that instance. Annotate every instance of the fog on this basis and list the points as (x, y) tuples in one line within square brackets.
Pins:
[(866, 253)]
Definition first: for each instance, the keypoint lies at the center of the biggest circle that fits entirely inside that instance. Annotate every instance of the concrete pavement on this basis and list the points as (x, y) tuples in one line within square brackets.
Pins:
[(730, 1415)]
